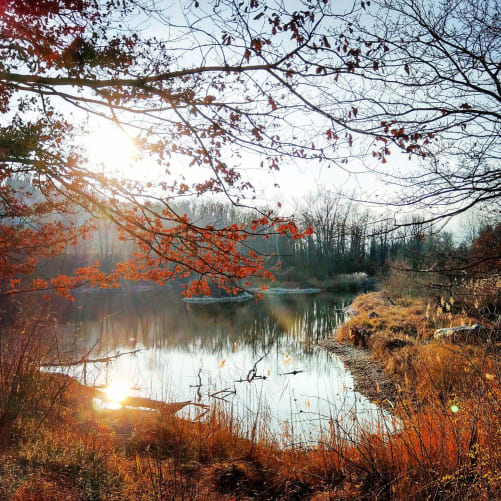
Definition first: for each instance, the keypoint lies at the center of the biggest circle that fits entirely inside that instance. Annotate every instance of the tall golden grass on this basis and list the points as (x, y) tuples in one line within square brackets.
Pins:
[(444, 443)]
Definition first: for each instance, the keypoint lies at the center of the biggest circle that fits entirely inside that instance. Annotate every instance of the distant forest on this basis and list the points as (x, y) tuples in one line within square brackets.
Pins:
[(347, 238)]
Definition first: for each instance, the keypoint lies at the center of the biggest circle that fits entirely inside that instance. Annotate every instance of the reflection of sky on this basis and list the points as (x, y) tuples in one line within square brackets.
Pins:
[(222, 344)]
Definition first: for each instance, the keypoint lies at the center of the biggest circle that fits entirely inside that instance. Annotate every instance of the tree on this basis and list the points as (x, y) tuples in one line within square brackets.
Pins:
[(83, 54), (485, 252), (425, 81), (311, 84), (340, 242)]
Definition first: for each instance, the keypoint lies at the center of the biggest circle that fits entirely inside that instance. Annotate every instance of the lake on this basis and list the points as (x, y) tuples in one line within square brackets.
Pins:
[(257, 360)]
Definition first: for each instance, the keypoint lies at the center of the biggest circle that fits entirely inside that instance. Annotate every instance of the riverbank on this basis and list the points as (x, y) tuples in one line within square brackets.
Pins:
[(440, 369), (383, 342), (369, 376), (399, 335), (445, 443)]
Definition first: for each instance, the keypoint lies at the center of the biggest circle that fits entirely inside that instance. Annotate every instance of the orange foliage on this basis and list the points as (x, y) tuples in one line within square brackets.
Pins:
[(169, 246), (485, 252), (66, 44)]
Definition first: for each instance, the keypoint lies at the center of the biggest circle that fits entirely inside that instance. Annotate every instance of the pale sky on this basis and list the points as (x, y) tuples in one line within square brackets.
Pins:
[(296, 179)]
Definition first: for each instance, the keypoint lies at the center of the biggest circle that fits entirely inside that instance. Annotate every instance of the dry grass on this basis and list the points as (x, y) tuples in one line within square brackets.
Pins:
[(400, 338), (434, 454), (446, 443), (449, 440)]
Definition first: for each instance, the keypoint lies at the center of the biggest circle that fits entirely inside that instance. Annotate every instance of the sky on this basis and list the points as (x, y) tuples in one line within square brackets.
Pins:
[(108, 145), (110, 149)]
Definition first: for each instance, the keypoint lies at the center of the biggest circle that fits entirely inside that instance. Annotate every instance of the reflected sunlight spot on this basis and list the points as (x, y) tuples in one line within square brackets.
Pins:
[(101, 406), (284, 316), (117, 391)]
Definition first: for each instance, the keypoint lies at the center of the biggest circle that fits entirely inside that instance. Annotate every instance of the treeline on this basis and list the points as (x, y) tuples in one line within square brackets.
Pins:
[(347, 238)]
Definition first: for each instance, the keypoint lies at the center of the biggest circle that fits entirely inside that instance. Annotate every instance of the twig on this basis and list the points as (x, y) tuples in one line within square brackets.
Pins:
[(85, 360), (294, 372), (252, 374)]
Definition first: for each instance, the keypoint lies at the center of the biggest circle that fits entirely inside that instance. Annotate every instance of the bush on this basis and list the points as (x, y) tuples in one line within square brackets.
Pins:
[(25, 344)]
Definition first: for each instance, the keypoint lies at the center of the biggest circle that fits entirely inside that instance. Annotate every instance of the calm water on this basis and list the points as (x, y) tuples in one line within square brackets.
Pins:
[(207, 353)]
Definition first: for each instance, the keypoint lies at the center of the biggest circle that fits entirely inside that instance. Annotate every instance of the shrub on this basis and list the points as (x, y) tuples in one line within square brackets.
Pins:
[(24, 346)]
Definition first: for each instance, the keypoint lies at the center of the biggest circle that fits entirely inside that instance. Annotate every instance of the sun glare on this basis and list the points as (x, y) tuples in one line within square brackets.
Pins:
[(117, 391), (111, 148)]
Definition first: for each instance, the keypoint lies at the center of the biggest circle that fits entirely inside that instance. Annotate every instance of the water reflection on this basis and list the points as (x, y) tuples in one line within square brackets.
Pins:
[(258, 356)]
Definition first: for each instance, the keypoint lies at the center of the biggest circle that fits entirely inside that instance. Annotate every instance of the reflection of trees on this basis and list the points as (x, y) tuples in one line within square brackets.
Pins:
[(156, 320)]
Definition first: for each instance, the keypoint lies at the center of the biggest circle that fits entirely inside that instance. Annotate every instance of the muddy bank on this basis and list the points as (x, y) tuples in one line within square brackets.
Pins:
[(369, 377)]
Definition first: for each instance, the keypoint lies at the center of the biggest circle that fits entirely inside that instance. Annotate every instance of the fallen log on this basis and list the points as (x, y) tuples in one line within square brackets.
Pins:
[(163, 407), (75, 388)]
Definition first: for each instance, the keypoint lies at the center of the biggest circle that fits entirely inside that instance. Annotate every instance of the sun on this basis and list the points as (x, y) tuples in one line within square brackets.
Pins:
[(111, 149)]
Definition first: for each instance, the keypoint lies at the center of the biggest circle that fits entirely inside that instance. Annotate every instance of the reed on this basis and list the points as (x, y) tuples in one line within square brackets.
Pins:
[(443, 441)]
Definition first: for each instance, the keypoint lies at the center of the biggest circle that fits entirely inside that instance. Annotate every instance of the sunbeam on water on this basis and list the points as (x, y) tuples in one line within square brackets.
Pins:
[(113, 394), (117, 391)]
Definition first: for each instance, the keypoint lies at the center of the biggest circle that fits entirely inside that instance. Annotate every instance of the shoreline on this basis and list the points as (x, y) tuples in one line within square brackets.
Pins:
[(369, 376)]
